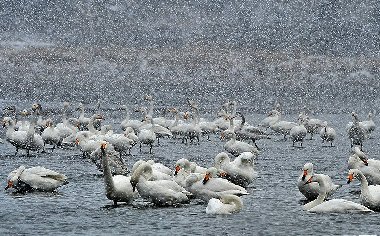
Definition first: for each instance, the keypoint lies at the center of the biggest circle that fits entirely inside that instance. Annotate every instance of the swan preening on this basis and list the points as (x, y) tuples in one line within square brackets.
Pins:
[(227, 204), (36, 178)]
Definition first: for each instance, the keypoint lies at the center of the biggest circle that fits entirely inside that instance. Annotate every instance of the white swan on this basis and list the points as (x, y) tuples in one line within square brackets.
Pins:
[(368, 125), (35, 178), (240, 171), (158, 172), (356, 133), (332, 206), (358, 160), (370, 194), (311, 190), (159, 192), (236, 147), (327, 133), (227, 204), (212, 187), (118, 188), (298, 132)]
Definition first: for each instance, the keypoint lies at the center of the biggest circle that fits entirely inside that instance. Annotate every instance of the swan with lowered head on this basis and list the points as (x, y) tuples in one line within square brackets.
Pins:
[(159, 192), (311, 190), (240, 171), (118, 187), (36, 178), (370, 194), (212, 187), (319, 205), (227, 204)]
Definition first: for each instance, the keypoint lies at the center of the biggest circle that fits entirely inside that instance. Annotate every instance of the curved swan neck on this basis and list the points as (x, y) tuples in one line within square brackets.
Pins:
[(363, 182), (235, 200)]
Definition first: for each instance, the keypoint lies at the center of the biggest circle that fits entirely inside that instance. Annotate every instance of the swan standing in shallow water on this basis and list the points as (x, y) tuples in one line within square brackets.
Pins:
[(118, 188), (332, 206), (370, 194), (311, 190), (227, 204), (35, 178), (327, 133), (159, 192)]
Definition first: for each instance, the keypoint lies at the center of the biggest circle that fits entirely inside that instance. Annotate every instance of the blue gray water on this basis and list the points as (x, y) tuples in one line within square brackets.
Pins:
[(322, 55)]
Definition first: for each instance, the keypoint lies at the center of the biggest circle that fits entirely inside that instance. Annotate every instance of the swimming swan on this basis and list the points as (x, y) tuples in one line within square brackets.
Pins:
[(35, 178), (332, 206), (370, 194), (227, 204)]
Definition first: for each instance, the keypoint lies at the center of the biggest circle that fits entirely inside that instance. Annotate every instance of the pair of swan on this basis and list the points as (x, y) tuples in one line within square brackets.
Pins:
[(311, 190), (369, 167), (36, 178), (319, 205)]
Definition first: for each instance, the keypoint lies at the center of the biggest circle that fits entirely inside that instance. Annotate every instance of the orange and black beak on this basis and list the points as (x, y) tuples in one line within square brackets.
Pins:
[(134, 184), (77, 141), (177, 169), (304, 174), (350, 177), (10, 184), (206, 178), (309, 180), (223, 174), (365, 162)]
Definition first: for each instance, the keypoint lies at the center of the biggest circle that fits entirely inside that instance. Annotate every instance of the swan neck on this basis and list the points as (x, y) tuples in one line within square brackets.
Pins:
[(108, 180)]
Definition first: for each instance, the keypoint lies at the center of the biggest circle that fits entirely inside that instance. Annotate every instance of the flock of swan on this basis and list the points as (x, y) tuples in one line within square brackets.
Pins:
[(220, 185)]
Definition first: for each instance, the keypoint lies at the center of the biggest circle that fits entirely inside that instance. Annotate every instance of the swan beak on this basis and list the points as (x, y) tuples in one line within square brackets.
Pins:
[(309, 180), (133, 183), (223, 174), (10, 185), (77, 141), (206, 178), (365, 162), (350, 177), (304, 174), (177, 169)]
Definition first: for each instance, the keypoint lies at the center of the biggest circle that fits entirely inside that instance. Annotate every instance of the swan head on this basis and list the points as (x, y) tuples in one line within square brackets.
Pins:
[(182, 164), (211, 172), (36, 107), (352, 174), (362, 156), (145, 170), (307, 169), (14, 177), (221, 158)]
